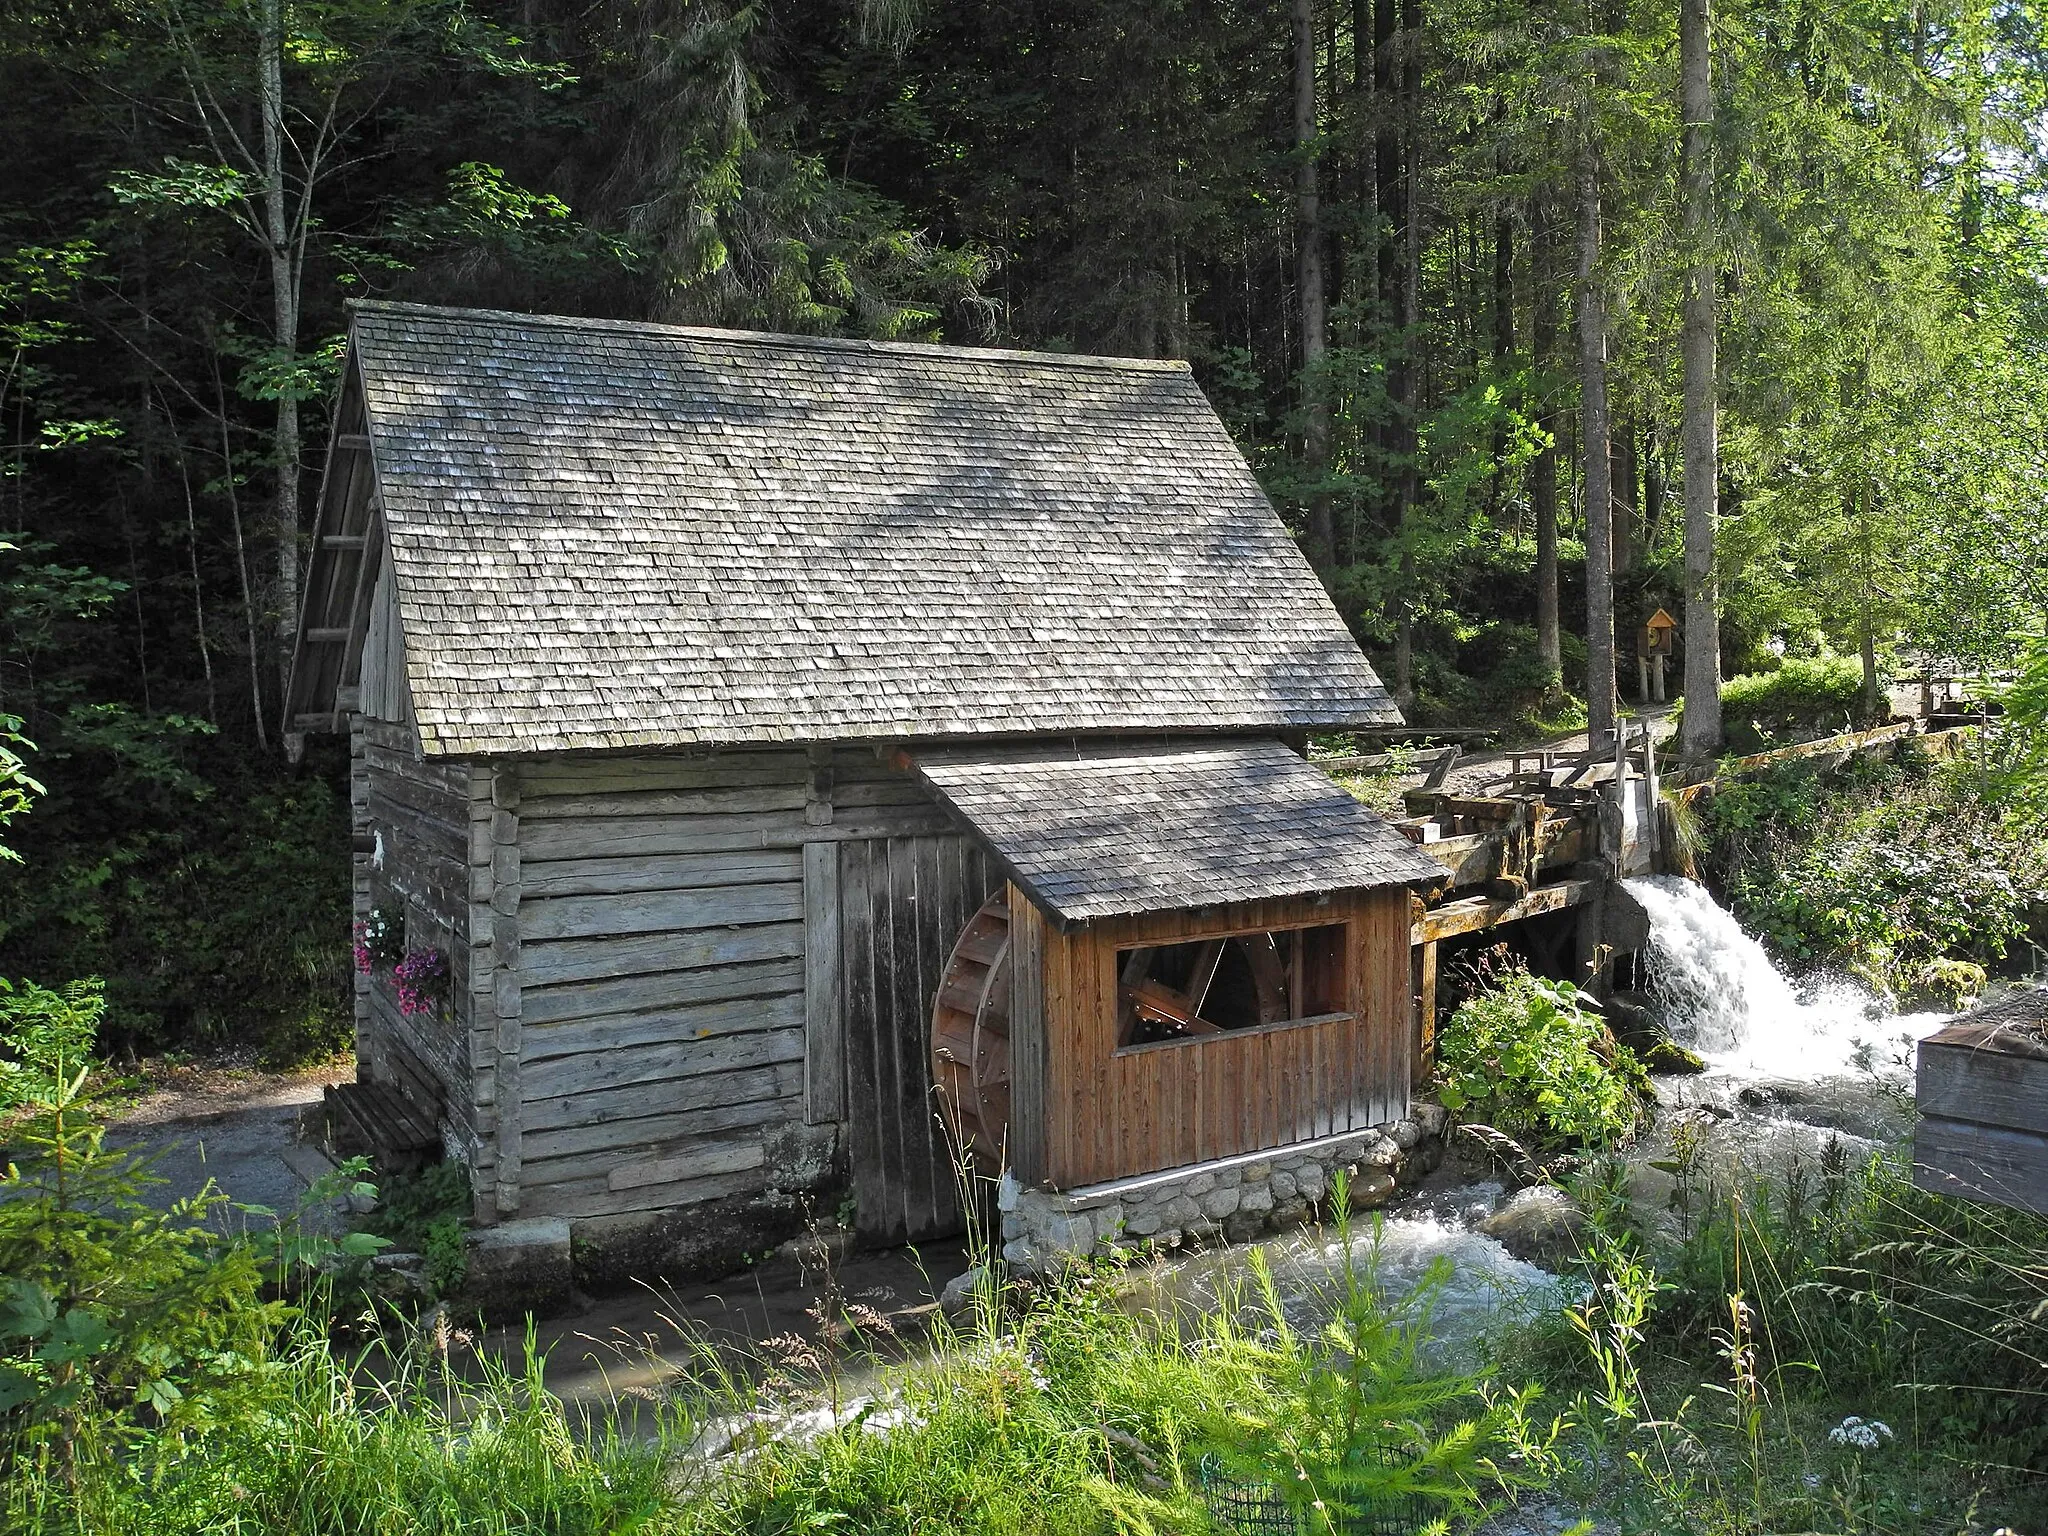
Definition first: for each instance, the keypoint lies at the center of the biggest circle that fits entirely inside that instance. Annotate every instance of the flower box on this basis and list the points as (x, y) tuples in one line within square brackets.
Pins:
[(1982, 1088)]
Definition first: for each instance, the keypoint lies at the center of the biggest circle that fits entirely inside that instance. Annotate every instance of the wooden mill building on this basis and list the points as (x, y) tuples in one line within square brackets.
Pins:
[(764, 725)]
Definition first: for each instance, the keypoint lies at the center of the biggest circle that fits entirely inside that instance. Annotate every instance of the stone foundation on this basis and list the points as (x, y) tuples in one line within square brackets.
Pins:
[(1234, 1199)]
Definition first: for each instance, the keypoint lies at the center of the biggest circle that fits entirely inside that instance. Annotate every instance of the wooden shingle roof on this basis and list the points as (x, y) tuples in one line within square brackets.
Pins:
[(610, 535), (1106, 831)]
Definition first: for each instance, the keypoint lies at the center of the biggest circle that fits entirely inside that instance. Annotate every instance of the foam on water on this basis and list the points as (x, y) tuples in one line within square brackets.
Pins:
[(1725, 998), (1485, 1288)]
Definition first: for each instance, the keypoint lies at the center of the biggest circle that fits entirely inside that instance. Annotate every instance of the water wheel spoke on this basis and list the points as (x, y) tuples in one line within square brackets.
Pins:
[(971, 1031), (1161, 1004)]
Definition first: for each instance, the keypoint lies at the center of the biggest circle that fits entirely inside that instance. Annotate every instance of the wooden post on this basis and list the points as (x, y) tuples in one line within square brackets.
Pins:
[(824, 1035), (1657, 680), (1423, 967), (505, 979), (1652, 811)]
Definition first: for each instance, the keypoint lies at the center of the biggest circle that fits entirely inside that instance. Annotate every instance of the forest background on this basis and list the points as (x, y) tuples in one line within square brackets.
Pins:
[(1408, 246)]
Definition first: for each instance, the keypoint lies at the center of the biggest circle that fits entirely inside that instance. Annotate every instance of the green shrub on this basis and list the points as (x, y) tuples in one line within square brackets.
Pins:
[(1892, 870), (1803, 698), (1530, 1058), (124, 1327), (210, 890), (428, 1214)]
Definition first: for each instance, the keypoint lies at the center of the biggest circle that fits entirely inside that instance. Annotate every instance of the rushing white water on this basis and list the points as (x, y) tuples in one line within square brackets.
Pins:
[(1791, 1066), (1724, 997), (1483, 1289)]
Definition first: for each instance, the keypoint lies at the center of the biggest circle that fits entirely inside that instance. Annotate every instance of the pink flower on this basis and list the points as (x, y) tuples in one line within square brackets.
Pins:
[(422, 981)]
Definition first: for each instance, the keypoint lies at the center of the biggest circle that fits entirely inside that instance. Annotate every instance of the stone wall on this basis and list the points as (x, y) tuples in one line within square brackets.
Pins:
[(1234, 1199)]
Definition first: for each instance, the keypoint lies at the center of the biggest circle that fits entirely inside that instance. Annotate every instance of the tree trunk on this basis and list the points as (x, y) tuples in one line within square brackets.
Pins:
[(1410, 45), (284, 298), (227, 471), (1622, 458), (1543, 473), (1322, 530), (1503, 335), (1387, 227), (1700, 736), (1593, 435), (1653, 491), (1872, 705)]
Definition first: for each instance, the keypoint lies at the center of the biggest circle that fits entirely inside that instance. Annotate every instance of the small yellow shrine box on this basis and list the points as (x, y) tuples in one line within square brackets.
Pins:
[(1660, 634)]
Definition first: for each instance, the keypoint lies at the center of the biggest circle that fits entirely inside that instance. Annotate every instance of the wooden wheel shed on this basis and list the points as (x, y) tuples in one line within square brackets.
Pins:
[(792, 746)]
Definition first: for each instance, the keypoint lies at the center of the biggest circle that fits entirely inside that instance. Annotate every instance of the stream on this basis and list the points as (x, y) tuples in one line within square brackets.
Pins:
[(1791, 1065)]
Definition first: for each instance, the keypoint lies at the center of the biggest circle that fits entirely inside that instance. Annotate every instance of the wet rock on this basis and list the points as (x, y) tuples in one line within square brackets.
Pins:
[(401, 1277), (960, 1290), (1670, 1059), (519, 1266), (1372, 1189), (817, 1252), (1243, 1226), (1540, 1224), (1635, 1024)]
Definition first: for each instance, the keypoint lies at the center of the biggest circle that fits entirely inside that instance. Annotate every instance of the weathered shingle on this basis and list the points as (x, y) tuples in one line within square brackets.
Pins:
[(1102, 831), (612, 536)]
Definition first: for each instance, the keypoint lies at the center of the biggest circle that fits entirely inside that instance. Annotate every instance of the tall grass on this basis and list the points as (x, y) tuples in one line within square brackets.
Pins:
[(376, 1442), (1825, 1348), (1056, 1410)]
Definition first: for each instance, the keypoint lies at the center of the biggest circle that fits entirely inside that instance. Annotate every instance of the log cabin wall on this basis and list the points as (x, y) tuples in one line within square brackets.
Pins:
[(1106, 1112), (695, 957), (412, 850)]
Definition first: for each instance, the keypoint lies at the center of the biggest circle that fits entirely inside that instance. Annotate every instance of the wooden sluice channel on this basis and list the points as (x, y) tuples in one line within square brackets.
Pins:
[(1560, 832)]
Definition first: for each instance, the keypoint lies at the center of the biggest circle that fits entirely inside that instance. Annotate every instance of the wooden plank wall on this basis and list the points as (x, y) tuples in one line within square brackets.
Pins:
[(412, 829), (1110, 1113), (383, 693), (903, 903), (664, 995)]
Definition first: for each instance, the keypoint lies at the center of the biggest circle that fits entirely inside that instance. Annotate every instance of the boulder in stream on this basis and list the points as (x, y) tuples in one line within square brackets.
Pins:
[(1541, 1224), (1633, 1019)]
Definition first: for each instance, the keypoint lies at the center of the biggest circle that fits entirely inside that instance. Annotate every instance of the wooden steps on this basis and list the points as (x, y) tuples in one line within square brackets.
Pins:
[(378, 1120)]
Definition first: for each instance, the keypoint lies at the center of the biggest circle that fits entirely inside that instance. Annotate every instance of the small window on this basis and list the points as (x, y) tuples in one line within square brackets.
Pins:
[(1213, 986)]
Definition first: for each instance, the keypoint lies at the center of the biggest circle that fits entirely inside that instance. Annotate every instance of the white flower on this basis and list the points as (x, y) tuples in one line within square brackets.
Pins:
[(1861, 1434)]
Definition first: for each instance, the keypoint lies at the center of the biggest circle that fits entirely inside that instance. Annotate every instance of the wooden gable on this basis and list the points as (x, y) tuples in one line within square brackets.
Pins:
[(350, 651)]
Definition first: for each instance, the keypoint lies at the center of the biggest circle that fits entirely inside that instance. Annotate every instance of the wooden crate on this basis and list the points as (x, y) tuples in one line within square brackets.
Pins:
[(1982, 1088)]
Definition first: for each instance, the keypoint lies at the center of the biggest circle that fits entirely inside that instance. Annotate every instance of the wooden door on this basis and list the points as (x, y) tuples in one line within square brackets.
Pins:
[(903, 901)]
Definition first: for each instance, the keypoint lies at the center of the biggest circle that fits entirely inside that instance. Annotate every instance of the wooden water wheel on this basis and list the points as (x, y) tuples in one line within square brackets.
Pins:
[(971, 1032)]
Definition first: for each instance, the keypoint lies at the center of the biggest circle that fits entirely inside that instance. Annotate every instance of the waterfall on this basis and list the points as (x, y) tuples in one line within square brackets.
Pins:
[(1722, 996)]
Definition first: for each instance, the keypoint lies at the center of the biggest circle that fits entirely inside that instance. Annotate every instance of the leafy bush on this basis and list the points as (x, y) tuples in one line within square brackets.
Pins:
[(1803, 698), (427, 1214), (121, 1324), (1530, 1058), (1892, 870), (210, 891)]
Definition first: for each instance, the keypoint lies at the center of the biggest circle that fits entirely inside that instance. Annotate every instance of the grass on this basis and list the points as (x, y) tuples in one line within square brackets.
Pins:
[(1053, 1411), (1701, 1383), (1714, 1374)]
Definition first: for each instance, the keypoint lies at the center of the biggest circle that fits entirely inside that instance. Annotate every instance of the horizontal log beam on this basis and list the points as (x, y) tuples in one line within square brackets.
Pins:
[(1480, 912)]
